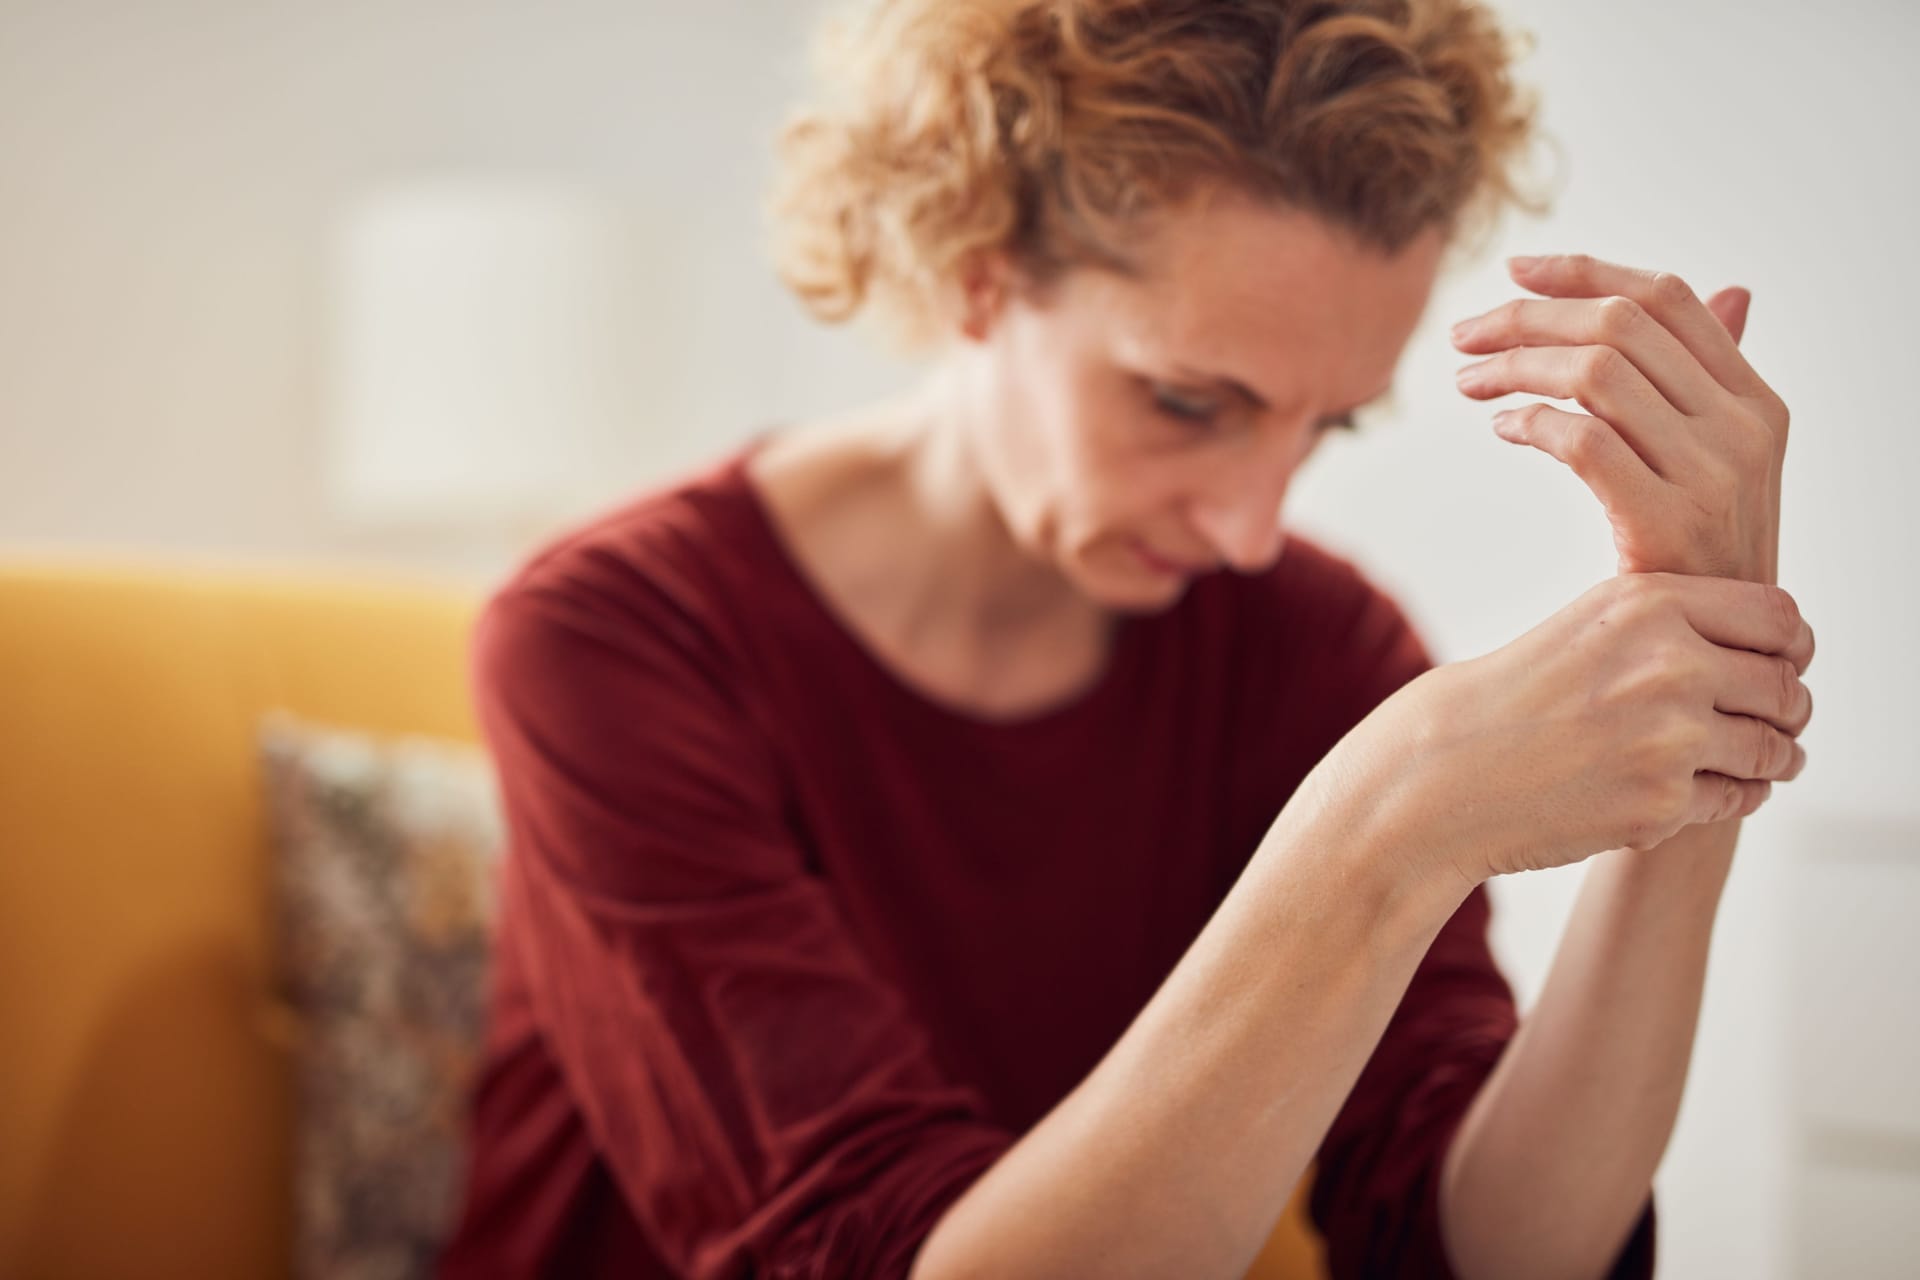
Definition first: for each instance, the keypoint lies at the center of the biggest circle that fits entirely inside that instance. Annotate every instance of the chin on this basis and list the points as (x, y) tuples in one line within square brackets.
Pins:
[(1129, 590)]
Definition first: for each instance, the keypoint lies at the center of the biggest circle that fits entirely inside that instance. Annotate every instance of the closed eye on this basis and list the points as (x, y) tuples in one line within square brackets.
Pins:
[(1184, 407), (1190, 408)]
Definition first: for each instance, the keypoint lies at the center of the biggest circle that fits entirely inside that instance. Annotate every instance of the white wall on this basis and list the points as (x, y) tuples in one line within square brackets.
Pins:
[(170, 169), (1775, 146), (171, 175)]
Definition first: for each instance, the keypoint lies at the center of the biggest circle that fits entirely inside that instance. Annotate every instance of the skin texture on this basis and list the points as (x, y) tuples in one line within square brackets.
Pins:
[(1013, 483), (977, 533), (1682, 441), (1579, 1110)]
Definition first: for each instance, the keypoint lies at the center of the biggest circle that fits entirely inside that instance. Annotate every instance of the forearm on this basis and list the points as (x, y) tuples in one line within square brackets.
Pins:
[(1179, 1150), (1554, 1161)]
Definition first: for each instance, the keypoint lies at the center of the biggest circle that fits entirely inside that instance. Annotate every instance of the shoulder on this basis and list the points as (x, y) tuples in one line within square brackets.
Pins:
[(660, 567), (644, 626), (661, 537), (609, 683)]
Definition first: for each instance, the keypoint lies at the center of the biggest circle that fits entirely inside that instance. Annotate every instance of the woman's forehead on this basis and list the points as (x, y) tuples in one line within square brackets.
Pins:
[(1257, 298)]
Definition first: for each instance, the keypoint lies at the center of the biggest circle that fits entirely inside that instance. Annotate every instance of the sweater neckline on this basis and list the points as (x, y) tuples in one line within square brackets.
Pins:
[(1122, 652)]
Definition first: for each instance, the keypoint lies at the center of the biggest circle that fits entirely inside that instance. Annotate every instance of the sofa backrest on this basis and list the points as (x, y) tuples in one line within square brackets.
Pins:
[(146, 1087), (145, 1099)]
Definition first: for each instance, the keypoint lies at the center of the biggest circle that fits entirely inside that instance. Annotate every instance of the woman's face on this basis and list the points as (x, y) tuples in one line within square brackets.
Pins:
[(1170, 411)]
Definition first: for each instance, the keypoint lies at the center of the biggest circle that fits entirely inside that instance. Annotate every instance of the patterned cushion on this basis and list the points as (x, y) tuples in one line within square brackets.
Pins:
[(385, 894)]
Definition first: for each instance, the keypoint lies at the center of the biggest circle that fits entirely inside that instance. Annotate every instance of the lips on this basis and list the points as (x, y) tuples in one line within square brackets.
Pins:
[(1165, 565)]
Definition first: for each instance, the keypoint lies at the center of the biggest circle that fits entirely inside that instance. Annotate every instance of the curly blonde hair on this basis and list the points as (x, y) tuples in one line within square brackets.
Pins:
[(1050, 128)]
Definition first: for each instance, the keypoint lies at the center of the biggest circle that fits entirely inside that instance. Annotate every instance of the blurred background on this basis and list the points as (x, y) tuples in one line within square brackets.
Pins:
[(211, 209)]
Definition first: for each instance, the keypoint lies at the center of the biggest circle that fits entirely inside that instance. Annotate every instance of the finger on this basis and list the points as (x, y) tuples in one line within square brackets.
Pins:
[(1746, 747), (1717, 797), (1729, 307), (1764, 686), (1613, 321), (1604, 382), (1737, 614), (1663, 293), (1591, 447)]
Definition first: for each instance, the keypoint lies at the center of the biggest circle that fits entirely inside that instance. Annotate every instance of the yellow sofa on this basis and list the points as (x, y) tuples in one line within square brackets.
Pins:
[(146, 1092)]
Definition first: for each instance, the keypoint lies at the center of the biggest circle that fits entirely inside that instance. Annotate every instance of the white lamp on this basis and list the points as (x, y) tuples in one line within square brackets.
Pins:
[(486, 346)]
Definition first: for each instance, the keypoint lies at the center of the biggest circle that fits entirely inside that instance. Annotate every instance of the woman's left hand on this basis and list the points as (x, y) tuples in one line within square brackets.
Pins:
[(1685, 441)]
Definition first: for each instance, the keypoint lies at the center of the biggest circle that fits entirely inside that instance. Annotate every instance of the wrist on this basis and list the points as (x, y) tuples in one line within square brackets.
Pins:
[(1366, 836)]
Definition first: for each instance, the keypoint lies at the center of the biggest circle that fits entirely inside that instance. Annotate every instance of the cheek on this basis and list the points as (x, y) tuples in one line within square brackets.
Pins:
[(1137, 474)]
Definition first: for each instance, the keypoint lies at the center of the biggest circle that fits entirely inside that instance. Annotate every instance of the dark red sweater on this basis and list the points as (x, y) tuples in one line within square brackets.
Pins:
[(791, 951)]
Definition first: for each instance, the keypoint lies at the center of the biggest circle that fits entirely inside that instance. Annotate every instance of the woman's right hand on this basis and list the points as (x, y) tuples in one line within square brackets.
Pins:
[(1653, 701)]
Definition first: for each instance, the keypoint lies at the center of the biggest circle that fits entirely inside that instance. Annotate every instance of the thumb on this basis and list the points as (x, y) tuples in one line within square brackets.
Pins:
[(1729, 306)]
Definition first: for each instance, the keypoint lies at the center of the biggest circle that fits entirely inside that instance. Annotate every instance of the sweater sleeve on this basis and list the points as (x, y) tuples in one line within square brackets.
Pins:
[(764, 1098), (1376, 1190)]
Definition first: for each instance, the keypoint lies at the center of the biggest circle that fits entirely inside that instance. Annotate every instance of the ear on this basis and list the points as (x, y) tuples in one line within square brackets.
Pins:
[(985, 280)]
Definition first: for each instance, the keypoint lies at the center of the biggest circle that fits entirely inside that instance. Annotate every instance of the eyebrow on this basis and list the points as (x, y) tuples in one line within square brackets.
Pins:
[(1253, 398)]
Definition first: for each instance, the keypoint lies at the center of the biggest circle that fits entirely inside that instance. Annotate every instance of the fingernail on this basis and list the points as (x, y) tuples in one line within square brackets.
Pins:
[(1461, 330), (1522, 263)]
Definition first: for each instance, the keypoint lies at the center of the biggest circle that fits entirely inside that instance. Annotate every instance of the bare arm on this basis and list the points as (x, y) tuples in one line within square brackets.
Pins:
[(1586, 734), (1177, 1153), (1554, 1162)]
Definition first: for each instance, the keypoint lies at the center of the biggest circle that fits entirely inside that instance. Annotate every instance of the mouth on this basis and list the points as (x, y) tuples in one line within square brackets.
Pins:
[(1161, 564)]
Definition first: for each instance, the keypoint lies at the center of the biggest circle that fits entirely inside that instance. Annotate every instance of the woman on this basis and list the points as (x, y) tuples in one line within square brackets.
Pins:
[(968, 837)]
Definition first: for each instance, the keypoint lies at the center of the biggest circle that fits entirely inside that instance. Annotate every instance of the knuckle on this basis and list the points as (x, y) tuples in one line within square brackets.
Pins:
[(1773, 410), (1764, 749), (1668, 289), (1786, 611), (1641, 834), (1721, 787), (1781, 752), (1793, 695), (1689, 738), (1527, 421), (1677, 665), (1732, 798), (1672, 799), (1598, 365), (1619, 316), (1669, 750), (1752, 438), (1581, 441), (1657, 811)]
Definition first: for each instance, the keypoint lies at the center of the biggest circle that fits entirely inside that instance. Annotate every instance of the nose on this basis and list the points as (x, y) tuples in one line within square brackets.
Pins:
[(1241, 516)]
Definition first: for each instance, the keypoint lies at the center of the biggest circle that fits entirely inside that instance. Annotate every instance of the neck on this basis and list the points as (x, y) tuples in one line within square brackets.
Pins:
[(900, 490), (893, 509), (972, 571)]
